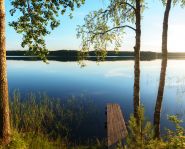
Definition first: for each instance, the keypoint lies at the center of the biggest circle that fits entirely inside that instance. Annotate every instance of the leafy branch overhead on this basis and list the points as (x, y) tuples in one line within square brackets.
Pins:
[(104, 28), (37, 18), (175, 2)]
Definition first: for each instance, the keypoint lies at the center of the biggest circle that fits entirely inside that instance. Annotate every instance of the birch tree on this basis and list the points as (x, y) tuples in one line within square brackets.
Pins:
[(105, 28), (158, 106)]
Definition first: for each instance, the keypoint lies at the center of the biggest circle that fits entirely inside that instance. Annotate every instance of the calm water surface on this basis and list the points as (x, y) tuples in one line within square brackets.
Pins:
[(106, 82)]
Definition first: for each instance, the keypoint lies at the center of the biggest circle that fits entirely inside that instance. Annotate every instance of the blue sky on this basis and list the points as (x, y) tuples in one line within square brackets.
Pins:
[(64, 37)]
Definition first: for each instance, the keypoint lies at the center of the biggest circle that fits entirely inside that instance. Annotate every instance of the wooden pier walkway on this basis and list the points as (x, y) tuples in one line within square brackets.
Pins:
[(116, 129)]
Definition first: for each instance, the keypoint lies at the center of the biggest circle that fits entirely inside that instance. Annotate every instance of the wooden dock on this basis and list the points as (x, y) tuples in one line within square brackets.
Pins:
[(116, 129)]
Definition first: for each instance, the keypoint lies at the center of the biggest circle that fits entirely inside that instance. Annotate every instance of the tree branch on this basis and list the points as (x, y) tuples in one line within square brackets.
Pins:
[(117, 27), (28, 9), (126, 3), (130, 5)]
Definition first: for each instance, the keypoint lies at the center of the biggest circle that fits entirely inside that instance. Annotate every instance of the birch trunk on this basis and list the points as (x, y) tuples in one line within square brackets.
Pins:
[(159, 100), (137, 61)]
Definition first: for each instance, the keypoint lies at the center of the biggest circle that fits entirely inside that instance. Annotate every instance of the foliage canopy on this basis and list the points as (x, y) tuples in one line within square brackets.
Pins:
[(104, 28), (37, 18)]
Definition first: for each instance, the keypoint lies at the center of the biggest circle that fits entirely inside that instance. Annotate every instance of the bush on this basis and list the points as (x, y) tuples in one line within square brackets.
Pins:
[(142, 137)]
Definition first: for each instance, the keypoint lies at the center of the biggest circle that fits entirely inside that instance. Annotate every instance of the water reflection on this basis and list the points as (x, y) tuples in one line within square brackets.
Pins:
[(103, 83)]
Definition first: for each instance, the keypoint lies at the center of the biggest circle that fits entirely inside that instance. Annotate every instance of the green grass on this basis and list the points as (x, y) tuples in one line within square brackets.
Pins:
[(40, 122), (43, 122), (142, 137)]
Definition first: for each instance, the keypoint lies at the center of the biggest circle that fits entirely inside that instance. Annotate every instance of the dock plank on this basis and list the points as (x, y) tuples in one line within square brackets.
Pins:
[(116, 129)]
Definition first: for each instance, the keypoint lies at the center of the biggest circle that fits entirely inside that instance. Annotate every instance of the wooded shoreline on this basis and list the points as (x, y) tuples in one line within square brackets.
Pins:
[(72, 55)]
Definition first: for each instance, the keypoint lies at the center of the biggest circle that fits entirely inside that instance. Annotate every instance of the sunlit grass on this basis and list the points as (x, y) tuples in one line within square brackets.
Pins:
[(39, 121)]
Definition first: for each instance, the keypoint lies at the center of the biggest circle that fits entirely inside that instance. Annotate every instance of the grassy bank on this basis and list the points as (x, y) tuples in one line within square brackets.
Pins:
[(142, 137), (41, 122)]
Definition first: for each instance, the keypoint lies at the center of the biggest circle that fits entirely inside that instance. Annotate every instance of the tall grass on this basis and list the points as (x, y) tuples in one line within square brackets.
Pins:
[(41, 122), (45, 122)]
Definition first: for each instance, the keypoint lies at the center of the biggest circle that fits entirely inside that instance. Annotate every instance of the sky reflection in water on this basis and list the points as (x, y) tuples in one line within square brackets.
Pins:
[(106, 82)]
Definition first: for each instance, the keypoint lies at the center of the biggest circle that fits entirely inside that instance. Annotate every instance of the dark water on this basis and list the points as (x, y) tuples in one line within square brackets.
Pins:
[(106, 82)]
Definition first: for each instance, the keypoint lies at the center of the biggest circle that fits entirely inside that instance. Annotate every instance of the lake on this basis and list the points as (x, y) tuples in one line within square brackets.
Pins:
[(102, 83)]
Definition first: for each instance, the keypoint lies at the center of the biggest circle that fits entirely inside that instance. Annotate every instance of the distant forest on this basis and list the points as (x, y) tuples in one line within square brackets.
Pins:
[(111, 55)]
